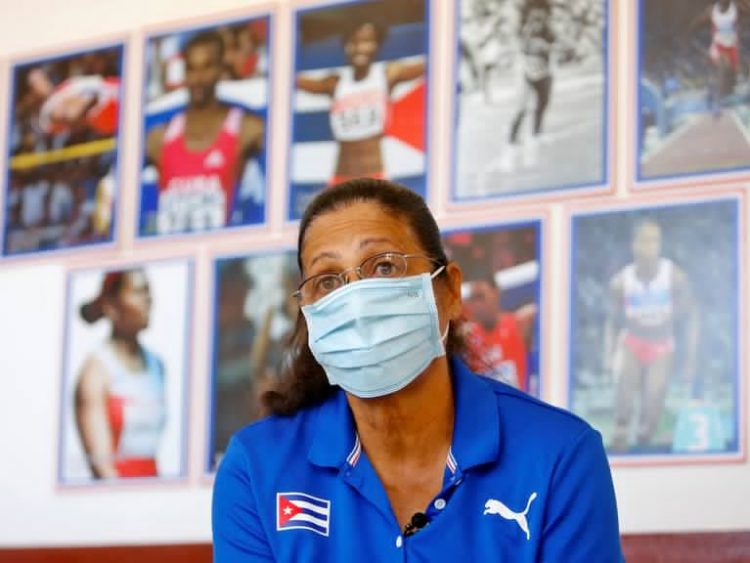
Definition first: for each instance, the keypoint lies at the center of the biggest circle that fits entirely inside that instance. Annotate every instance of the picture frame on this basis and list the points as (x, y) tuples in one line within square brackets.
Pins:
[(344, 127), (655, 344), (126, 365)]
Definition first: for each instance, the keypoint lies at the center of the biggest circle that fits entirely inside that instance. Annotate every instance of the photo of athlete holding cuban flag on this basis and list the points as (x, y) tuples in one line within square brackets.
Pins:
[(361, 96), (205, 129)]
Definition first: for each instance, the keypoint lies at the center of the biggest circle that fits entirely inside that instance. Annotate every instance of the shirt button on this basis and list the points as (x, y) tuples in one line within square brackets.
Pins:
[(399, 541), (440, 504)]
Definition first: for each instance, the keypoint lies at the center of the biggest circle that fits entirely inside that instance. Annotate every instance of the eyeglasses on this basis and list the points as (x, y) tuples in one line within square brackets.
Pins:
[(384, 265)]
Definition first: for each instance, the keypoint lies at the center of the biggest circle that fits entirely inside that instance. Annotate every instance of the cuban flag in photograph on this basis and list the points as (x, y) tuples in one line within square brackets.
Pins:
[(299, 511)]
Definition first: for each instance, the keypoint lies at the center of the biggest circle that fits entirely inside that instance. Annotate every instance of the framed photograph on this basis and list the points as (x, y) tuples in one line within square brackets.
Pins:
[(360, 100), (692, 89), (205, 128), (501, 290), (125, 374), (254, 316), (64, 122), (531, 100), (655, 339)]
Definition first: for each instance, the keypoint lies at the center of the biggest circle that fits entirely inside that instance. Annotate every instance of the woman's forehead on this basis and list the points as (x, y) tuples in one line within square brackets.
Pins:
[(347, 227)]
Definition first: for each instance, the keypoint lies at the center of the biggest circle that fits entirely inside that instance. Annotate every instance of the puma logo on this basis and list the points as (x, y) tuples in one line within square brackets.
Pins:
[(493, 506)]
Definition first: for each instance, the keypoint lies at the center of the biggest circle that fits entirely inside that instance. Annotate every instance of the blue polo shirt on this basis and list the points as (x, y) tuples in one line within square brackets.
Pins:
[(524, 481)]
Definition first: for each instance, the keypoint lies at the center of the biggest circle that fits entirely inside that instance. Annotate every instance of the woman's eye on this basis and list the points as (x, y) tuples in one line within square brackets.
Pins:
[(384, 268), (326, 283)]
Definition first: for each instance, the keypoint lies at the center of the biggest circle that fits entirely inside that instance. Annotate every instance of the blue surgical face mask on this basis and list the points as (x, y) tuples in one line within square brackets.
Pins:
[(375, 336)]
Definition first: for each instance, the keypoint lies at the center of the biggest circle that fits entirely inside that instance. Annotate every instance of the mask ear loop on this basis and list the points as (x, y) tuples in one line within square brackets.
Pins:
[(436, 273), (444, 336)]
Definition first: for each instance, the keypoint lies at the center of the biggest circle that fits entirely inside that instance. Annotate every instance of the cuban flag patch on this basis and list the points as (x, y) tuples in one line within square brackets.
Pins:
[(299, 511)]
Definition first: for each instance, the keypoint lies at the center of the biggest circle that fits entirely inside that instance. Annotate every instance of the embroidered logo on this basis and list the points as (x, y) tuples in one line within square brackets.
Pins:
[(493, 506), (300, 511)]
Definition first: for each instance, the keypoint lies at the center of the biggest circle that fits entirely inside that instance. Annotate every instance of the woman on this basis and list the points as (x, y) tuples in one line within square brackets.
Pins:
[(119, 398), (382, 442), (724, 52), (537, 41), (647, 299), (360, 96)]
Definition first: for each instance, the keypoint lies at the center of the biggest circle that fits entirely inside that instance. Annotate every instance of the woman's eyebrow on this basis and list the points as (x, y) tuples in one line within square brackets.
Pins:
[(369, 241), (326, 254), (362, 244)]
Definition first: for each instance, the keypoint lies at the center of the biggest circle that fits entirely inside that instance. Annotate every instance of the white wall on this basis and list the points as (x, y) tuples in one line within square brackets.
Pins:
[(34, 512)]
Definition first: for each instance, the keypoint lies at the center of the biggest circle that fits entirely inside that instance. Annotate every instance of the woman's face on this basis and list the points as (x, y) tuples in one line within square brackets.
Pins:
[(362, 46), (342, 239), (130, 309)]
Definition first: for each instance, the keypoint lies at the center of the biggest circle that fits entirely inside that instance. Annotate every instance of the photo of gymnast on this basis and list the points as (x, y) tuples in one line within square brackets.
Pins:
[(360, 100)]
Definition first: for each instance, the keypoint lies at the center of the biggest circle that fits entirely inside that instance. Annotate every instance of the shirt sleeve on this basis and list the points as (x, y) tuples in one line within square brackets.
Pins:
[(238, 534), (580, 522)]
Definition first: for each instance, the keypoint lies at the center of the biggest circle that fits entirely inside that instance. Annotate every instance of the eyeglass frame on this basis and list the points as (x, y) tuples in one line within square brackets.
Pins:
[(357, 269)]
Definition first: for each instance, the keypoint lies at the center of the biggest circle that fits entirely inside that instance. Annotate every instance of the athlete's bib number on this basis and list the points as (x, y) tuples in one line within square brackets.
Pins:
[(698, 429), (183, 210), (359, 122)]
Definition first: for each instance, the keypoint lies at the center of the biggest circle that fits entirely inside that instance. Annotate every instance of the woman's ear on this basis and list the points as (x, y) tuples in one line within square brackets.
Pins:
[(453, 278), (109, 311)]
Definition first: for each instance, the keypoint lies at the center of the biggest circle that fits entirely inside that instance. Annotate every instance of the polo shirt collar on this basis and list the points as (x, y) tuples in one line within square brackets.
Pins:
[(335, 437), (476, 431)]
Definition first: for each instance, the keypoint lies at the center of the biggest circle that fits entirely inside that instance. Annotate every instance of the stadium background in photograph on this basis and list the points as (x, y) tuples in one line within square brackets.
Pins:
[(680, 130), (166, 337), (504, 257), (243, 84), (702, 240), (570, 149), (62, 179), (254, 315), (319, 53)]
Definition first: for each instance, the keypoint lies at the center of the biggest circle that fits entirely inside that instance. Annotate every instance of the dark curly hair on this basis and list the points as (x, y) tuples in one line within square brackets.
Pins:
[(304, 383)]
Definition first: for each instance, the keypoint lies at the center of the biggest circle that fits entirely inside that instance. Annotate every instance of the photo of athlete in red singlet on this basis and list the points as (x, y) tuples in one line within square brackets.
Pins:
[(497, 340), (202, 152)]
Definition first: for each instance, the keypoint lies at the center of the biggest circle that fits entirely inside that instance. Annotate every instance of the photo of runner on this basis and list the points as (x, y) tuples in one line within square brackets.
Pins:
[(693, 88), (654, 342), (531, 101)]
